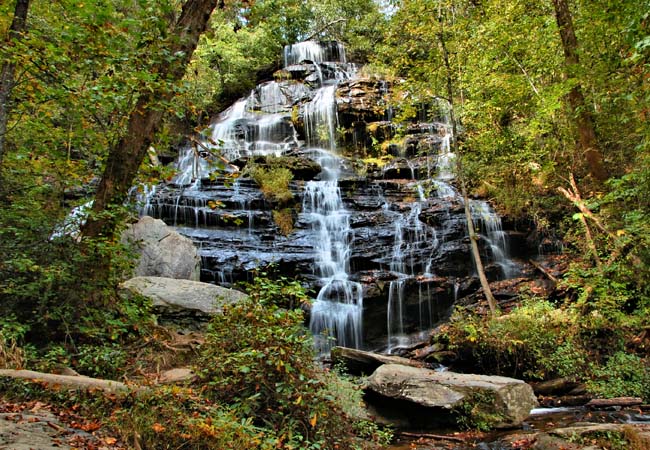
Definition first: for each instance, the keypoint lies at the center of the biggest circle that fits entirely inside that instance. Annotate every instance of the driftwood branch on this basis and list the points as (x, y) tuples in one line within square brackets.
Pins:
[(323, 28), (574, 197), (431, 436), (541, 268), (72, 382), (209, 150)]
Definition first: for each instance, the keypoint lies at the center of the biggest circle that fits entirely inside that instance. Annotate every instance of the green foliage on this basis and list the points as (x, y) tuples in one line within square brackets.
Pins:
[(101, 361), (535, 341), (476, 412), (274, 183), (623, 375), (270, 289), (284, 220), (258, 358), (171, 418)]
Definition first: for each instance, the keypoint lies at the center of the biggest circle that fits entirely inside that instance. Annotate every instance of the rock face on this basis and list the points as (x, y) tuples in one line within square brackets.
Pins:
[(425, 395), (172, 297), (399, 222), (162, 251)]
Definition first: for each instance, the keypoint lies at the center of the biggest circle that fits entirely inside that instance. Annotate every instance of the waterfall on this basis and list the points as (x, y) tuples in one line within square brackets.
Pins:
[(320, 119), (408, 261), (337, 310), (489, 225), (315, 52), (388, 240), (485, 218), (336, 315)]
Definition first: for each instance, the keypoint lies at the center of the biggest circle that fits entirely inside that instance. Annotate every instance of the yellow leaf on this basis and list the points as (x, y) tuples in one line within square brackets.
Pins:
[(298, 401), (313, 420), (620, 232)]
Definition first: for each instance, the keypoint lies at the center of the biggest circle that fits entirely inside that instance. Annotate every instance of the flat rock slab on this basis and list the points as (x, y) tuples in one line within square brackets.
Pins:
[(177, 375), (31, 431), (173, 294), (511, 399)]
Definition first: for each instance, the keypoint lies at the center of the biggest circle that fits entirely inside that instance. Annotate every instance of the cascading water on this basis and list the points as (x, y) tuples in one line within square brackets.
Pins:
[(379, 250), (336, 315), (489, 223)]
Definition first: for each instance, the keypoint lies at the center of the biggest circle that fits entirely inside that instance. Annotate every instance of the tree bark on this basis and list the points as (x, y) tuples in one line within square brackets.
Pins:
[(73, 382), (584, 122), (468, 214), (16, 32), (125, 157)]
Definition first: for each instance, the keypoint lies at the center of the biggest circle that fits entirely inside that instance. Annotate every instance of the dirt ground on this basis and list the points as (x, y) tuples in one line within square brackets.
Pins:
[(37, 426)]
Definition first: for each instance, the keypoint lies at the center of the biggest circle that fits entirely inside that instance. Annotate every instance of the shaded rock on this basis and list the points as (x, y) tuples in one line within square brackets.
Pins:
[(618, 402), (556, 386), (162, 251), (358, 362), (426, 394), (171, 297), (177, 375)]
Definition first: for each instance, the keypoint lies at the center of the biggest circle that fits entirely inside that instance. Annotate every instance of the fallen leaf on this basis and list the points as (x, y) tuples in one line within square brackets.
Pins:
[(158, 428)]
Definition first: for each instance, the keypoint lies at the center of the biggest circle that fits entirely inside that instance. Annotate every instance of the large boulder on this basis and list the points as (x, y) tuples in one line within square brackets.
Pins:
[(180, 300), (162, 251), (417, 397)]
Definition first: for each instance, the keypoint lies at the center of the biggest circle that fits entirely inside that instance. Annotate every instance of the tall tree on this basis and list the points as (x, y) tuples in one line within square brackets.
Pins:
[(126, 156), (7, 76), (476, 255), (584, 122)]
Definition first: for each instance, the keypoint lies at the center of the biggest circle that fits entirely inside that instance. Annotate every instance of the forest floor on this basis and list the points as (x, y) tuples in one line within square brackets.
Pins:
[(39, 426)]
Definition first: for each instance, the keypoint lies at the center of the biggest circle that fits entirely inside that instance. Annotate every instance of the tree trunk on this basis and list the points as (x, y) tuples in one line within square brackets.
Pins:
[(16, 32), (583, 120), (454, 148), (125, 157)]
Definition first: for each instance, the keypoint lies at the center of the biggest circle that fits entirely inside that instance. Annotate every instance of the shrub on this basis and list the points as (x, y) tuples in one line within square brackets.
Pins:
[(12, 333), (259, 358), (535, 341), (623, 375), (284, 220), (274, 183)]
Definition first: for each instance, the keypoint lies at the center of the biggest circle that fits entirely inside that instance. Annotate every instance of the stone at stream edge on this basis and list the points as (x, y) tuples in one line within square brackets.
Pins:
[(422, 396), (181, 299)]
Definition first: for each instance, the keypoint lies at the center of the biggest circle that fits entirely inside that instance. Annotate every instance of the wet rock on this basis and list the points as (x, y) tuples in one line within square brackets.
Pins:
[(425, 393)]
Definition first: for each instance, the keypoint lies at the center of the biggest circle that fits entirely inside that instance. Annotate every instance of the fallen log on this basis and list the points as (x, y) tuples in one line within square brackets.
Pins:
[(358, 362), (542, 269), (73, 382), (554, 387), (430, 436), (602, 403)]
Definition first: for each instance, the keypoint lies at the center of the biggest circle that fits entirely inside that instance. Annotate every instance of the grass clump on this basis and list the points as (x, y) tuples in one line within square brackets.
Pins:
[(283, 218), (274, 183)]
